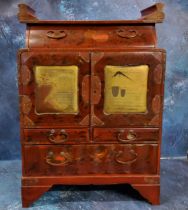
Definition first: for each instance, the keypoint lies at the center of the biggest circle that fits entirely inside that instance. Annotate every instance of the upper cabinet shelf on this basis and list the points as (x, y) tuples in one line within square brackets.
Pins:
[(153, 14)]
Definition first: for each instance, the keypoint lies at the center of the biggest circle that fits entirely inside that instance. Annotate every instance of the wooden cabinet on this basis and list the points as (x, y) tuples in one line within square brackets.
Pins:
[(91, 101)]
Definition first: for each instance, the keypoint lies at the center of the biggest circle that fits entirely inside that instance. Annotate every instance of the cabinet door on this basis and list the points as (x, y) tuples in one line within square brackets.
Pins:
[(54, 88), (127, 88)]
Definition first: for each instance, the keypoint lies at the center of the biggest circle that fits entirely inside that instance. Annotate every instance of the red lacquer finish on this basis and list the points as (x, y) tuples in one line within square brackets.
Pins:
[(91, 147)]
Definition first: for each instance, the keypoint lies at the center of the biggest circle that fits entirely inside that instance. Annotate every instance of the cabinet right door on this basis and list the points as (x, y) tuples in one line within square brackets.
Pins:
[(127, 88)]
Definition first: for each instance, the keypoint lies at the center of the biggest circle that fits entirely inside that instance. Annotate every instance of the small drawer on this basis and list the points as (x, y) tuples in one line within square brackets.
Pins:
[(57, 160), (91, 36), (126, 135), (55, 136)]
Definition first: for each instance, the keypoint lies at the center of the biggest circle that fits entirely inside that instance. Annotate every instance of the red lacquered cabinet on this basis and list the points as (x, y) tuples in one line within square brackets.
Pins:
[(91, 101)]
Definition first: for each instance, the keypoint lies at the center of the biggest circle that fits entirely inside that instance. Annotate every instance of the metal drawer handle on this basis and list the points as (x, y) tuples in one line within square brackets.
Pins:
[(59, 159), (127, 162), (127, 34), (56, 34), (131, 136), (58, 138)]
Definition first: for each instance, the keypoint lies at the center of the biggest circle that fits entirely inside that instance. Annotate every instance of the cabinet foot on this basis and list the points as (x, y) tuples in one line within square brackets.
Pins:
[(149, 192), (32, 193)]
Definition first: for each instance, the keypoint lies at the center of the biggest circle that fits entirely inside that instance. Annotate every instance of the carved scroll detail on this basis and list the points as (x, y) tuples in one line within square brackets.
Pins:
[(156, 104), (26, 104)]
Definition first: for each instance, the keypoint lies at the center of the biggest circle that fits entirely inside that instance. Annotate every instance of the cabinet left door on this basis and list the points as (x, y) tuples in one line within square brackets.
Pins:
[(54, 88)]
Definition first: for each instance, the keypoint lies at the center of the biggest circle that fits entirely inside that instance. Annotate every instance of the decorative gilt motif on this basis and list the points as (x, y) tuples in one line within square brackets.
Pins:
[(155, 120), (25, 75), (100, 37), (156, 104), (125, 89), (52, 96), (158, 74), (28, 123), (97, 36), (99, 155), (26, 104)]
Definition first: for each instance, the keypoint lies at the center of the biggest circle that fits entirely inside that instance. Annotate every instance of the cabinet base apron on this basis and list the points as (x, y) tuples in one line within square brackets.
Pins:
[(33, 188)]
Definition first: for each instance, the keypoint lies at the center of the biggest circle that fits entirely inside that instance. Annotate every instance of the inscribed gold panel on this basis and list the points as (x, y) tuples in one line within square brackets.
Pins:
[(125, 89), (56, 89)]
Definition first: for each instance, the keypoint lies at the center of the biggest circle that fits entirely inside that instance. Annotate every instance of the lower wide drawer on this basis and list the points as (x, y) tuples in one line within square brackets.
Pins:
[(55, 160)]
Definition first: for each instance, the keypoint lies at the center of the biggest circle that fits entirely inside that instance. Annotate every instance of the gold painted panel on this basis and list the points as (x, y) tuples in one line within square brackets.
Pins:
[(56, 89), (125, 89)]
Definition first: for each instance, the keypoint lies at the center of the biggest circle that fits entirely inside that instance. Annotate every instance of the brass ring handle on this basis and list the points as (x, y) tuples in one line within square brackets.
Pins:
[(56, 34), (131, 136), (58, 138), (127, 162), (58, 160), (126, 34)]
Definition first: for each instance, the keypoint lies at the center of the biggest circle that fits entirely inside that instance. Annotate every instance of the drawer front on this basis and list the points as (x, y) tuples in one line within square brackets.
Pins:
[(91, 36), (59, 160), (126, 135), (56, 136)]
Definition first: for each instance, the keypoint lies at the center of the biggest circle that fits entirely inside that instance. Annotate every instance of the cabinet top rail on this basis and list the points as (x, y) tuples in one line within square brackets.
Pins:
[(153, 14)]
